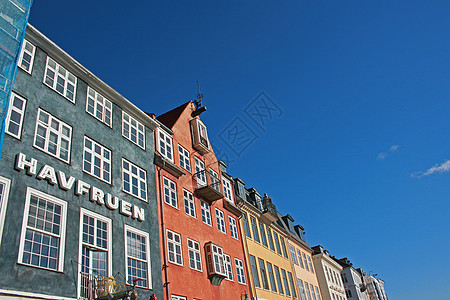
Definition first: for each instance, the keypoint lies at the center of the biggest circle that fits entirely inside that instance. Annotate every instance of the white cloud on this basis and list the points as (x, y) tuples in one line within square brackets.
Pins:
[(383, 155), (442, 168)]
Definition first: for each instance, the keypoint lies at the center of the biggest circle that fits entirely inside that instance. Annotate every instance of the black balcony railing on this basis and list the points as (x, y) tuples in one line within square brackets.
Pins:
[(208, 185)]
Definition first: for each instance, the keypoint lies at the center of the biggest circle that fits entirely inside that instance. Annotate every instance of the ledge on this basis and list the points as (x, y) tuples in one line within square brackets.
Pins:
[(209, 193), (232, 208), (168, 166)]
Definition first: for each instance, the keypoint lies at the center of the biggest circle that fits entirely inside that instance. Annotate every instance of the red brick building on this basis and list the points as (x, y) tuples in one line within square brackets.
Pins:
[(200, 234)]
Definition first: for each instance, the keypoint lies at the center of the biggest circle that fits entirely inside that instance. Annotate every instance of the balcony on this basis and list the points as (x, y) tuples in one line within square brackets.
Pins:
[(168, 166), (232, 208), (98, 287), (208, 186)]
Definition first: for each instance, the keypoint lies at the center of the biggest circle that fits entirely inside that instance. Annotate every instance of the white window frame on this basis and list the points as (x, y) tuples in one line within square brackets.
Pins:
[(94, 155), (233, 227), (58, 132), (200, 172), (176, 297), (239, 263), (138, 127), (189, 203), (147, 252), (196, 255), (96, 216), (61, 72), (206, 213), (185, 158), (97, 101), (165, 145), (21, 112), (31, 54), (4, 196), (220, 219), (170, 190), (62, 235), (140, 180), (175, 245), (228, 267), (227, 191), (293, 254), (202, 132)]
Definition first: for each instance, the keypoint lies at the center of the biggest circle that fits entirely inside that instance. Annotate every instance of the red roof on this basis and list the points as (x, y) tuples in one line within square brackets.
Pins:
[(171, 117)]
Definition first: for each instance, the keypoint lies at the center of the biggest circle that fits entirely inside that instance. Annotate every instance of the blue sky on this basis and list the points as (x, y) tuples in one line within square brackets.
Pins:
[(356, 149)]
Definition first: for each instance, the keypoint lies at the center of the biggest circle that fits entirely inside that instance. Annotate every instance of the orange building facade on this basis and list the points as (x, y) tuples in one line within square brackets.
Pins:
[(201, 243)]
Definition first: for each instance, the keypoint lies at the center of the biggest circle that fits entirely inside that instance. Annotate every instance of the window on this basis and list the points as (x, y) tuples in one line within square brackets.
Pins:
[(170, 192), (328, 273), (195, 261), (134, 131), (317, 293), (95, 248), (262, 230), (185, 159), (228, 268), (310, 264), (220, 221), (277, 242), (14, 119), (99, 107), (269, 237), (200, 173), (312, 292), (227, 190), (240, 270), (60, 80), (4, 191), (283, 246), (293, 255), (134, 180), (175, 297), (215, 182), (278, 277), (301, 289), (246, 227), (97, 160), (286, 286), (241, 189), (254, 229), (189, 204), (43, 231), (271, 277), (262, 270), (348, 293), (137, 257), (291, 283), (233, 227), (27, 56), (206, 213), (299, 254), (165, 145), (305, 262), (259, 202), (254, 271), (308, 292), (174, 248), (199, 135), (52, 136)]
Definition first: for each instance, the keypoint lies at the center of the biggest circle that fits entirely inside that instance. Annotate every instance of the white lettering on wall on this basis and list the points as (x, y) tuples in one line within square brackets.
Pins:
[(65, 184), (125, 208), (112, 202), (21, 163), (82, 188), (47, 173), (138, 213), (97, 195)]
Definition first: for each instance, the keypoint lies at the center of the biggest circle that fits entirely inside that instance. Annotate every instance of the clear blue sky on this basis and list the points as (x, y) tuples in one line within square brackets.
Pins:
[(364, 91)]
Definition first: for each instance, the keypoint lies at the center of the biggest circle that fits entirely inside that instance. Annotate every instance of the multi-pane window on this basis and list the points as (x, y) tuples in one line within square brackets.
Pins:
[(308, 292), (215, 182), (99, 107), (133, 130), (318, 294), (200, 172), (301, 289), (189, 204), (311, 288), (165, 146), (52, 136), (233, 227), (206, 213), (291, 283), (228, 268), (137, 257), (185, 159), (170, 192), (271, 277), (220, 221), (254, 229), (97, 160), (195, 261), (305, 261), (283, 246), (262, 271), (95, 247), (269, 237), (254, 271), (277, 242), (240, 270), (310, 264), (43, 231), (227, 190), (14, 119), (4, 191), (262, 230), (286, 286), (299, 254), (246, 227), (174, 248), (60, 80), (27, 56), (293, 255), (176, 297), (278, 277), (134, 180)]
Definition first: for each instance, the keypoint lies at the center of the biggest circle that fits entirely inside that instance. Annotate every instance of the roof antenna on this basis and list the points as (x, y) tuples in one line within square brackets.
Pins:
[(199, 108)]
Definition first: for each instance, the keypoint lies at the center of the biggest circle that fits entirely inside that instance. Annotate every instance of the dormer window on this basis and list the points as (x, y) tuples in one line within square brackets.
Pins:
[(199, 135), (259, 202)]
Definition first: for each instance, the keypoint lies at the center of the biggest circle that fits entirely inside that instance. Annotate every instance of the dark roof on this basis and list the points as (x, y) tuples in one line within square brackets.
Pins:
[(171, 117)]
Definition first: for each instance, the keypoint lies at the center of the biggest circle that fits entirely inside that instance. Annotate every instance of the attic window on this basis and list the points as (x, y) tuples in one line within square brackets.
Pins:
[(199, 135)]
